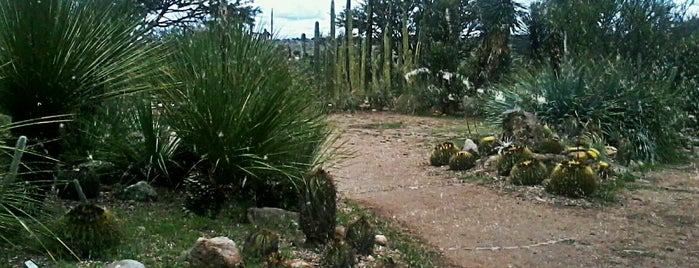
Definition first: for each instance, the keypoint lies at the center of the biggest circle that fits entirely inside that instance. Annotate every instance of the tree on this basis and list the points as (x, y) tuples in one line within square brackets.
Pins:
[(497, 19), (164, 14)]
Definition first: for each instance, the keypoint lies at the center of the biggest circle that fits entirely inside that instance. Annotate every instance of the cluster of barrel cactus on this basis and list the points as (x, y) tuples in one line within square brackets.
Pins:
[(579, 175)]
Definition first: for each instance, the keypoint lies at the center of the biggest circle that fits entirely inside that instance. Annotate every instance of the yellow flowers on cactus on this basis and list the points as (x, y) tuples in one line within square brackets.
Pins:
[(487, 146), (462, 161), (528, 172), (573, 179), (442, 153), (510, 156)]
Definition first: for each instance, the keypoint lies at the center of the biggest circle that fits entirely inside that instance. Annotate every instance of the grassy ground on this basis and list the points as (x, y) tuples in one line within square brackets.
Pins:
[(159, 234)]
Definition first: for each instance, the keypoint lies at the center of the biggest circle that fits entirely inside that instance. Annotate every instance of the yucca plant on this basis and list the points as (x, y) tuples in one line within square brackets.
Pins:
[(129, 133), (234, 102), (65, 57)]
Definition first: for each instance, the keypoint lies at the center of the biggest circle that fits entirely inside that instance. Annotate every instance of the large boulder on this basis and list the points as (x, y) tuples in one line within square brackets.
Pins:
[(273, 218), (217, 252), (140, 191), (522, 128)]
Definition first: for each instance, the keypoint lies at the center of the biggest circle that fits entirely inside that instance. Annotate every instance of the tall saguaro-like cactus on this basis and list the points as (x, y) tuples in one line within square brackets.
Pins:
[(349, 44), (331, 54), (316, 48), (367, 43)]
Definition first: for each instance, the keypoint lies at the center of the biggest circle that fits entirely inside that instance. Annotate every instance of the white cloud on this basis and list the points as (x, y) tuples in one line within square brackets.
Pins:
[(292, 18)]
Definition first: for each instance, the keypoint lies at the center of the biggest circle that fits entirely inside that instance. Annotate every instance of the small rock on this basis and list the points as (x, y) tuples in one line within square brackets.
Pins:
[(298, 264), (340, 232), (217, 252), (275, 219), (125, 264), (140, 191), (471, 147), (610, 151), (30, 264), (381, 240)]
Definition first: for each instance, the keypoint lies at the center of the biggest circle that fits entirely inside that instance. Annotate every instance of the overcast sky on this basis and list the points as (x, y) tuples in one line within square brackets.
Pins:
[(294, 17)]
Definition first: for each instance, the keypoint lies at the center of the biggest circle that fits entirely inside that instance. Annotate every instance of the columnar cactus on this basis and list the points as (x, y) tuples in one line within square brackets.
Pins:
[(318, 208)]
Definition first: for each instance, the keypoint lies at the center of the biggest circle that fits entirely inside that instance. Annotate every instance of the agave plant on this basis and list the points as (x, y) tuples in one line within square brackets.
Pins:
[(235, 103), (65, 57)]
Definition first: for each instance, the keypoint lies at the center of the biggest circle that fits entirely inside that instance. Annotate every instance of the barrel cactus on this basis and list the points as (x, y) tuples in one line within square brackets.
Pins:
[(339, 255), (442, 153), (573, 179), (528, 172), (550, 145), (318, 207), (488, 146), (89, 230), (604, 169), (583, 154), (202, 196), (510, 156), (360, 235), (462, 161), (261, 243)]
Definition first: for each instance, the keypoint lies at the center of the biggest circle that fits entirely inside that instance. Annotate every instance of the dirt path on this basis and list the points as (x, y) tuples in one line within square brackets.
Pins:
[(479, 226)]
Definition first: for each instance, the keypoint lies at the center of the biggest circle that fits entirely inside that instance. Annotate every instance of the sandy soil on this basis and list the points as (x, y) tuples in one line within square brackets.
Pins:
[(476, 225)]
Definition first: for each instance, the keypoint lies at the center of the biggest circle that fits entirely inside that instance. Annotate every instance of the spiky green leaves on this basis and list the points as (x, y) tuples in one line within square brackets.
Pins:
[(442, 153), (573, 179), (65, 56), (236, 102)]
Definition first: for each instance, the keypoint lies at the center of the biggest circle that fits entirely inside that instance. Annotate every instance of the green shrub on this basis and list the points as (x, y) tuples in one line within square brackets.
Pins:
[(633, 111), (65, 57), (235, 103)]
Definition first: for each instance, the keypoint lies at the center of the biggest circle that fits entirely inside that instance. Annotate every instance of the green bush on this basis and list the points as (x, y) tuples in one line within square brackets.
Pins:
[(65, 57), (631, 110), (235, 103)]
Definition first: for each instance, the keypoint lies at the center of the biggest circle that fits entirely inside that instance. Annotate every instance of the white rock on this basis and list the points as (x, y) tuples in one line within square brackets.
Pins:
[(381, 240), (126, 264)]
